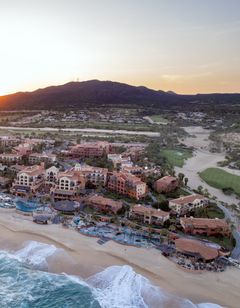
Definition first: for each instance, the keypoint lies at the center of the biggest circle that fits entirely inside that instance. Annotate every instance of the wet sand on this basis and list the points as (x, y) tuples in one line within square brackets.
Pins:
[(81, 255)]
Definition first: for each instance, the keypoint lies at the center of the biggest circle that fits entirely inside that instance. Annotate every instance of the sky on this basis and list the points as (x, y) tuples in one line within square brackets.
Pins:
[(187, 46)]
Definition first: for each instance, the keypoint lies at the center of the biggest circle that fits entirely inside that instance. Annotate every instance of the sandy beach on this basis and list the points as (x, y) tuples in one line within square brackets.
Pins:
[(81, 255)]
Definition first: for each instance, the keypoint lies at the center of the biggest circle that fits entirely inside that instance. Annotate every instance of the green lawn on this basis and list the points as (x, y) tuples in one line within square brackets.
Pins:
[(158, 119), (176, 157), (211, 211), (221, 179)]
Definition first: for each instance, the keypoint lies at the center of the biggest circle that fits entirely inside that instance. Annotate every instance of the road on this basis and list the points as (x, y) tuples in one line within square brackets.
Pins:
[(83, 130), (236, 233)]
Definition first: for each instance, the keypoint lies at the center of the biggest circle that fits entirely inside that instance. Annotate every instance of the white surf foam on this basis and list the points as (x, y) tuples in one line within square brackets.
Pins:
[(35, 253), (121, 286)]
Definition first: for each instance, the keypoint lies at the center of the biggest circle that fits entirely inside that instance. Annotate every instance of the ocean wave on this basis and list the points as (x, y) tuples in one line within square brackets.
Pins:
[(35, 254), (114, 287), (121, 286), (25, 287)]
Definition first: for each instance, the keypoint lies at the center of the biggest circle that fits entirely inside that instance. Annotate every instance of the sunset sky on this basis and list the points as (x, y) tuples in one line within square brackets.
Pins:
[(187, 46)]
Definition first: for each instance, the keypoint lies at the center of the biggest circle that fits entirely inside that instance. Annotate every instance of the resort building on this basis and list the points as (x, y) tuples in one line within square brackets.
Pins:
[(134, 152), (116, 159), (51, 175), (29, 180), (148, 215), (68, 185), (166, 184), (9, 158), (127, 184), (89, 150), (8, 141), (104, 204), (23, 149), (120, 161), (94, 175), (186, 204), (205, 226), (36, 158)]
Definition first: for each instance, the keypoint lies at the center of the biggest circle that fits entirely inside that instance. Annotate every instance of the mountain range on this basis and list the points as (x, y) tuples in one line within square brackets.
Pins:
[(95, 93)]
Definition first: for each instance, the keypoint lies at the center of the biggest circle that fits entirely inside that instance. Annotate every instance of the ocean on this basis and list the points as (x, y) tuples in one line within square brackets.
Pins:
[(26, 283)]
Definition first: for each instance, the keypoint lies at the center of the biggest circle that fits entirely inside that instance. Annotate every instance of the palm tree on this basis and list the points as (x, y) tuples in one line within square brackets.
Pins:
[(172, 228)]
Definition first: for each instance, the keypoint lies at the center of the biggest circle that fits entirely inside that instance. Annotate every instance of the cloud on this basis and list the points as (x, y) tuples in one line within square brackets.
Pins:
[(176, 77)]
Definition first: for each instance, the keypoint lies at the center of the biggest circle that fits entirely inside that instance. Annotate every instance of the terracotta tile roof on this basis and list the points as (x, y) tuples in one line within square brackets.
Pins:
[(140, 209), (104, 201), (125, 176), (187, 199), (132, 169), (167, 180), (73, 175), (204, 222), (33, 170), (191, 246), (42, 155)]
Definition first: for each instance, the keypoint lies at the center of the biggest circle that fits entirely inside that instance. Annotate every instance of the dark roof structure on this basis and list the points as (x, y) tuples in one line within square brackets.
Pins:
[(66, 206)]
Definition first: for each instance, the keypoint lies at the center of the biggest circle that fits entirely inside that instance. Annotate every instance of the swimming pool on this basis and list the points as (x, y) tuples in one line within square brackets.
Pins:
[(27, 206)]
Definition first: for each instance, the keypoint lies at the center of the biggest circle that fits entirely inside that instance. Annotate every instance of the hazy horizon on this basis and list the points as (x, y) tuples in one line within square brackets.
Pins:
[(187, 47), (137, 85)]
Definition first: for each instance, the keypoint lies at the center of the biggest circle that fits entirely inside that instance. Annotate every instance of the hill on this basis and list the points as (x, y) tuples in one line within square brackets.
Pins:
[(95, 93)]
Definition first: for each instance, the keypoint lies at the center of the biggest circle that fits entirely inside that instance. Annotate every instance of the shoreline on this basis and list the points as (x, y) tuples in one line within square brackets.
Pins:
[(81, 255)]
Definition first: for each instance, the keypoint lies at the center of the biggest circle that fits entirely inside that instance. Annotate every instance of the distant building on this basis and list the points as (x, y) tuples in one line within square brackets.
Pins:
[(9, 158), (148, 215), (89, 150), (134, 152), (166, 184), (8, 141), (104, 204), (186, 204), (29, 180), (23, 149), (127, 184), (36, 158), (120, 161), (205, 226), (116, 159)]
